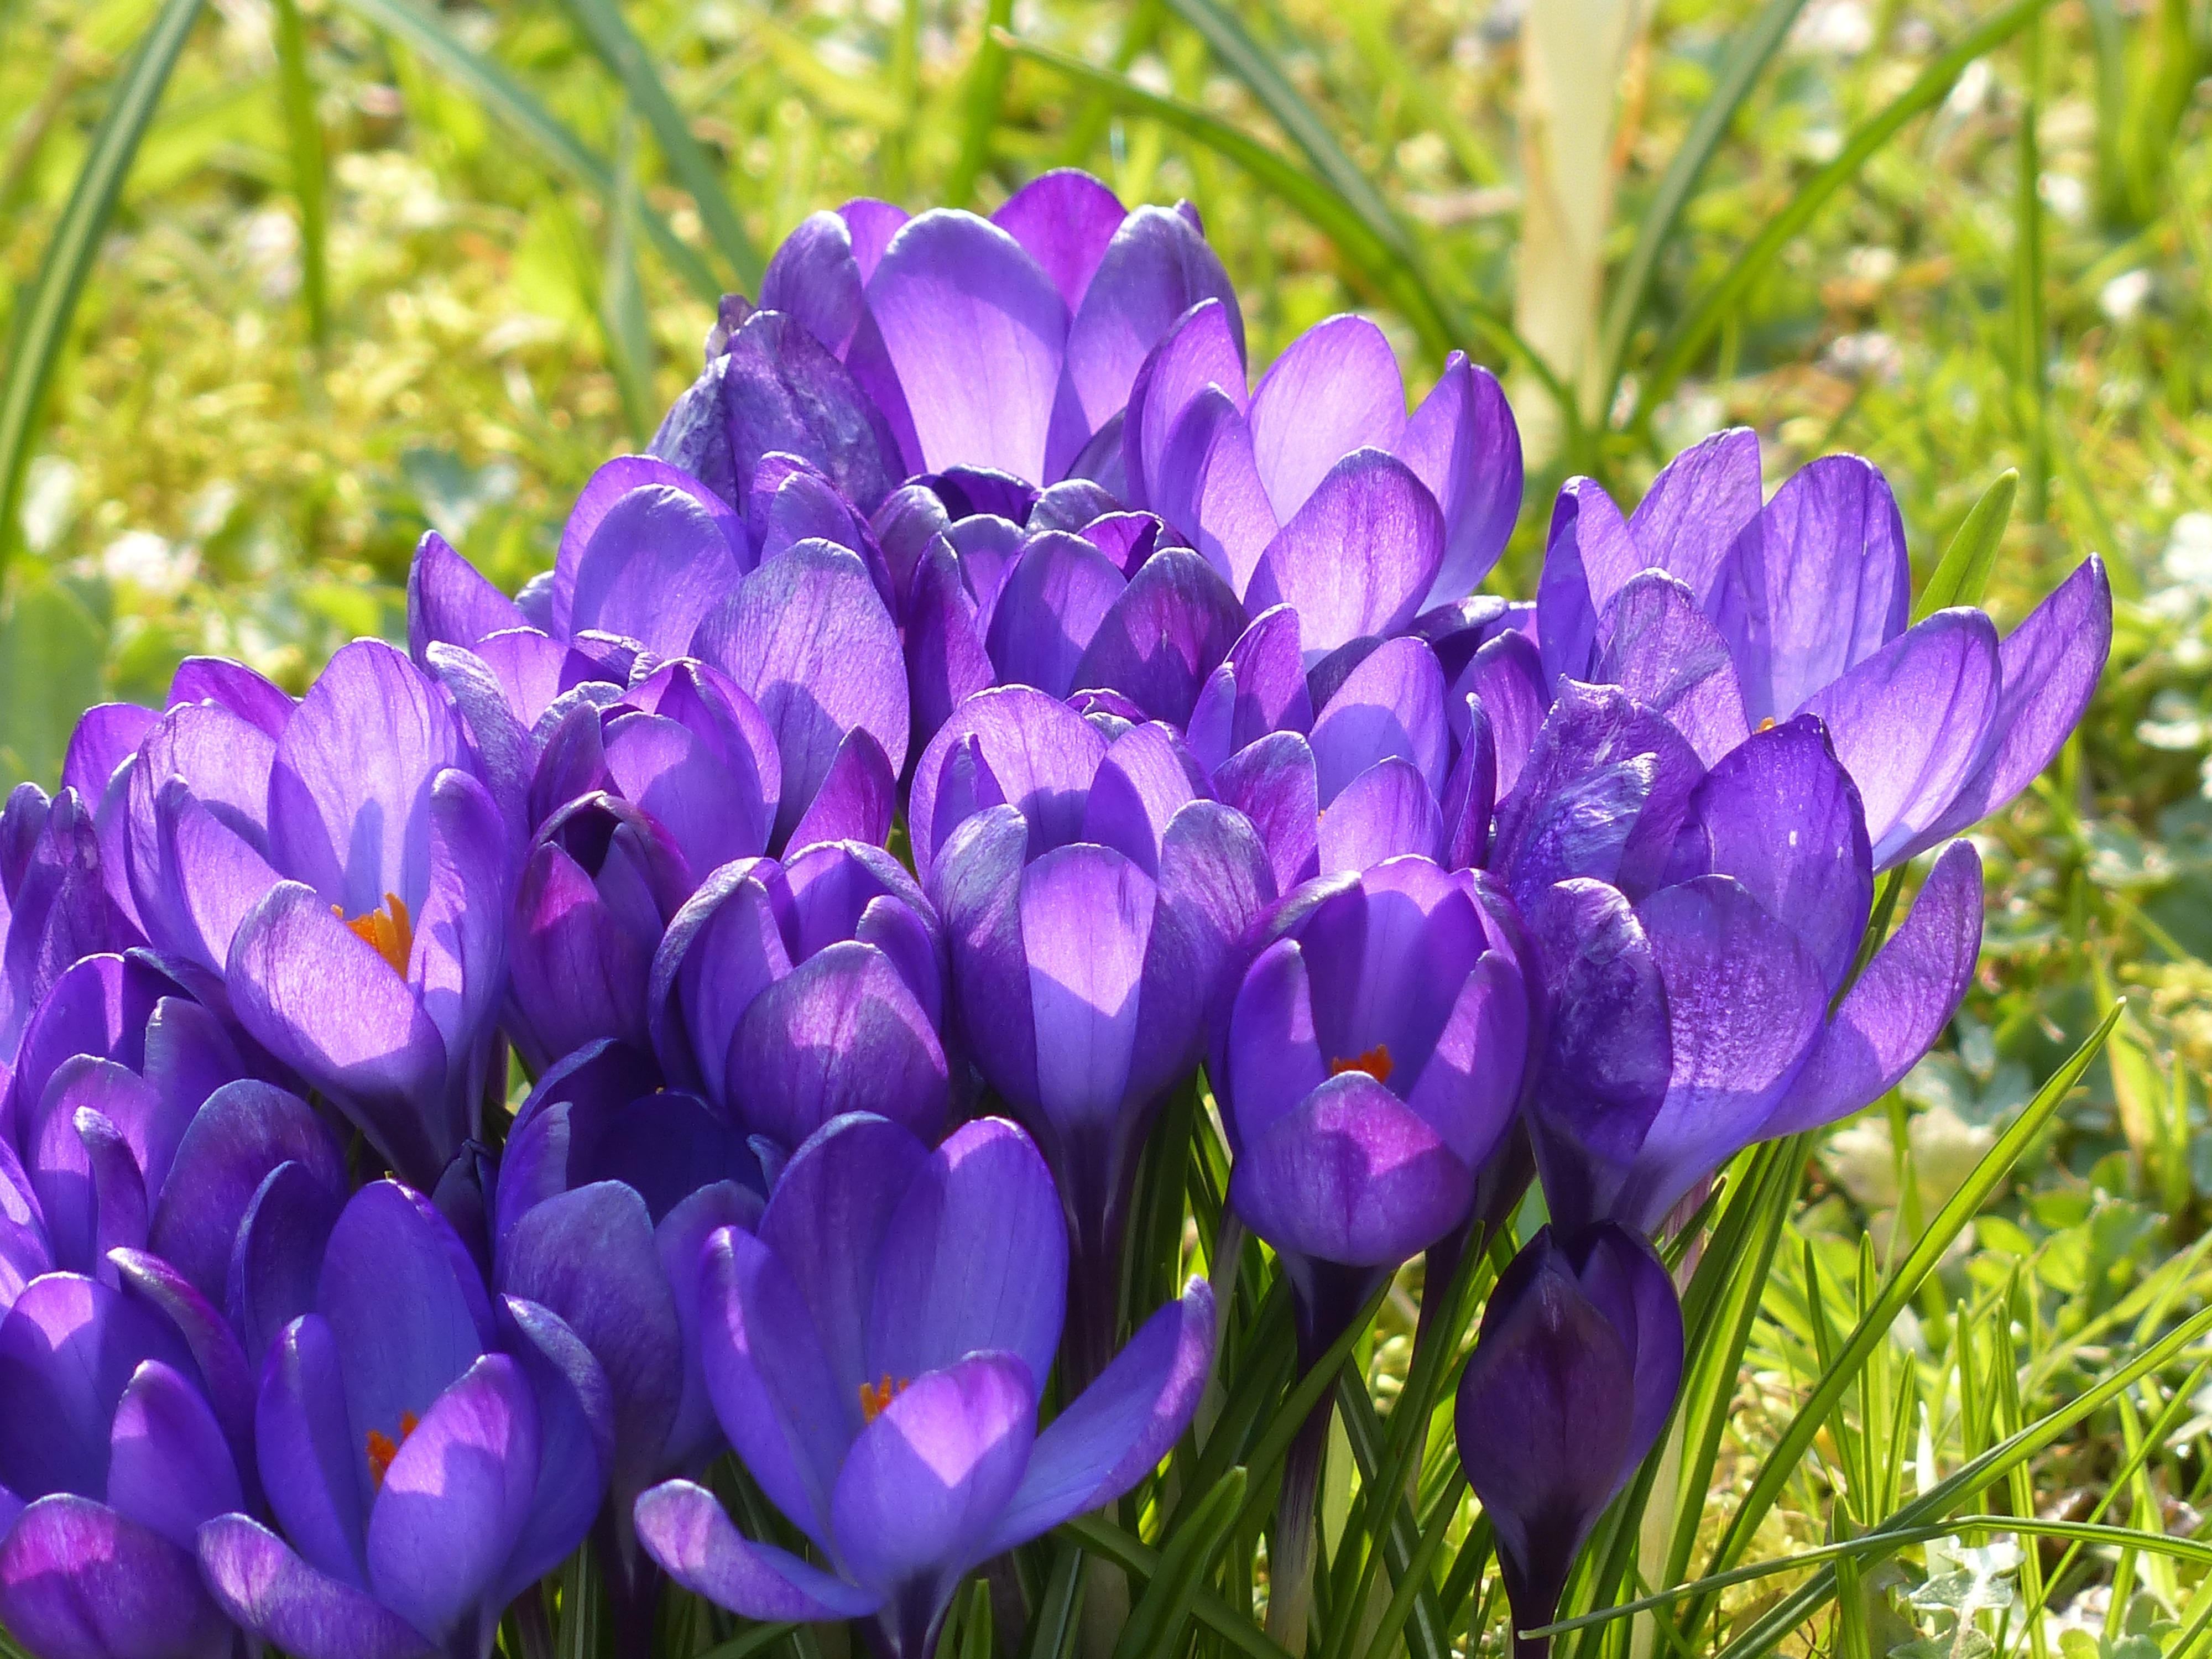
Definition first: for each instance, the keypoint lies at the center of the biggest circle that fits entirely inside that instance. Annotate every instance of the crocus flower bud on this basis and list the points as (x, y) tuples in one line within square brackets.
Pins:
[(1569, 1387)]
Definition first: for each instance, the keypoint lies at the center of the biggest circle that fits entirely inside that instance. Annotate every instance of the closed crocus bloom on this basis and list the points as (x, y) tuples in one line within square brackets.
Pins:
[(1352, 762), (111, 1456), (350, 880), (56, 894), (791, 993), (1569, 1387), (1094, 899), (876, 1353), (1315, 489), (1370, 1064), (140, 1129), (608, 1186), (1697, 931), (1726, 614), (427, 1453)]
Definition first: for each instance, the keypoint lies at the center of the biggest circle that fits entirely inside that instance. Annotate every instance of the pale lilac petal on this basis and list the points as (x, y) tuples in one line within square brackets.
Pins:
[(1335, 389), (1697, 507), (1359, 557), (1463, 444), (683, 1528), (281, 1600)]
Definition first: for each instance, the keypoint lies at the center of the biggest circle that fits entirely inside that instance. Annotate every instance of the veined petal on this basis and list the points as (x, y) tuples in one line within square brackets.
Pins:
[(1359, 555), (1335, 389), (271, 1592), (79, 1581)]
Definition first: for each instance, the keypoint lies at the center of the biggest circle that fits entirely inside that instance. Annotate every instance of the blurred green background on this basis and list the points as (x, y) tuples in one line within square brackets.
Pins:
[(381, 264)]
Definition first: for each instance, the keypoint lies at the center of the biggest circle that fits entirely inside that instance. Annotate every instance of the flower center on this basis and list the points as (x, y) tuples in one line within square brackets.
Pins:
[(876, 1396), (388, 932), (382, 1449), (1375, 1062)]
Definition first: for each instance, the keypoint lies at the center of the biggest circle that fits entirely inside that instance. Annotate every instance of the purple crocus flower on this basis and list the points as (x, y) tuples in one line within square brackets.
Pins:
[(1698, 931), (1273, 486), (56, 892), (792, 993), (877, 1354), (1371, 1062), (1094, 899), (428, 1453), (1726, 614), (140, 1127), (1570, 1386), (608, 1186), (348, 878), (111, 1456)]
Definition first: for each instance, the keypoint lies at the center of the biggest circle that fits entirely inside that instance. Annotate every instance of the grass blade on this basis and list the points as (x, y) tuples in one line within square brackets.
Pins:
[(622, 303), (1101, 1537), (1156, 1623), (305, 131), (626, 59), (1963, 576), (1690, 335), (987, 85), (1244, 58), (2030, 335), (1903, 1284), (43, 312), (1755, 48), (498, 93)]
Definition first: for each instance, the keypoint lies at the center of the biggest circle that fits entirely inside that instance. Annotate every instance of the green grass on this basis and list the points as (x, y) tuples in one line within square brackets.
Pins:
[(376, 265)]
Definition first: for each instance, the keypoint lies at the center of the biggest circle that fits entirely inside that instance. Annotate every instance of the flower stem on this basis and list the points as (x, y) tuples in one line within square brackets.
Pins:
[(1290, 1553)]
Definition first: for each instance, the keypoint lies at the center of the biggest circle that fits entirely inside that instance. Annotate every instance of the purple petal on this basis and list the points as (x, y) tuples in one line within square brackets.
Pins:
[(575, 1435), (857, 798), (946, 661), (68, 1349), (1041, 752), (683, 1528), (350, 795), (1117, 1430), (1065, 219), (813, 276), (609, 489), (304, 1448), (1203, 348), (1351, 1174), (448, 601), (1471, 794), (1900, 1004), (954, 291), (1507, 675), (654, 567), (454, 1501), (1371, 508), (1272, 782), (233, 685), (721, 950), (1697, 507), (246, 1129), (78, 1581), (975, 1258), (1659, 647), (807, 636), (1206, 484), (926, 1481), (281, 1600), (1272, 1058), (1058, 593), (171, 1468), (103, 737), (1384, 812), (1470, 1084), (1086, 917), (1335, 389), (710, 813), (1909, 723), (976, 888), (1161, 637), (1391, 705), (1463, 444), (839, 1033), (1146, 777), (1588, 556), (1815, 584)]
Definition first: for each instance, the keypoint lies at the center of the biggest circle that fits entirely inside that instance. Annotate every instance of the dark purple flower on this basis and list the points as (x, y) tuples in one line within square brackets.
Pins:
[(112, 1455), (877, 1354), (141, 1128), (608, 1186), (1726, 615), (349, 879), (1696, 928), (792, 993), (1275, 486), (1570, 1386), (426, 1452), (1094, 900), (57, 903), (1370, 1064)]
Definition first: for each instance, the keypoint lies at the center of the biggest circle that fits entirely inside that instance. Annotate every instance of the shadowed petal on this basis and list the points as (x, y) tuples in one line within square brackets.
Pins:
[(1161, 637), (857, 798), (78, 1581), (271, 1592), (243, 1131), (1660, 648), (1273, 783), (1058, 592), (1086, 917)]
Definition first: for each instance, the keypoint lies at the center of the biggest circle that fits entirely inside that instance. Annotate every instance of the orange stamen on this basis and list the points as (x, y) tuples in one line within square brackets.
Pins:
[(875, 1397), (388, 932), (1375, 1062), (382, 1449), (1767, 725)]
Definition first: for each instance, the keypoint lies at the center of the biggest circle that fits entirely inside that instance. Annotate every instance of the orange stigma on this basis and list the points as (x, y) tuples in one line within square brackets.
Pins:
[(1767, 725), (876, 1396), (382, 1449), (388, 932), (1375, 1062)]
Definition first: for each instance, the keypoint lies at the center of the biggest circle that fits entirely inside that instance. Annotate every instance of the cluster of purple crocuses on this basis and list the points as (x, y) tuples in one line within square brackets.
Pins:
[(983, 713)]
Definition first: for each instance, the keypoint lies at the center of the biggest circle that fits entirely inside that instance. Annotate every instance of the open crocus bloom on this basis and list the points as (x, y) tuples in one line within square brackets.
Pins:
[(1094, 900), (1370, 1064), (1316, 488), (1727, 615), (111, 1455), (1569, 1387), (608, 1186), (348, 878), (876, 1355), (429, 1453), (792, 993), (1698, 931)]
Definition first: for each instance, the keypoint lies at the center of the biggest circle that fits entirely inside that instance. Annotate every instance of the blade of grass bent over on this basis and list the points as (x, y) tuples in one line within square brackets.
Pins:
[(43, 311)]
